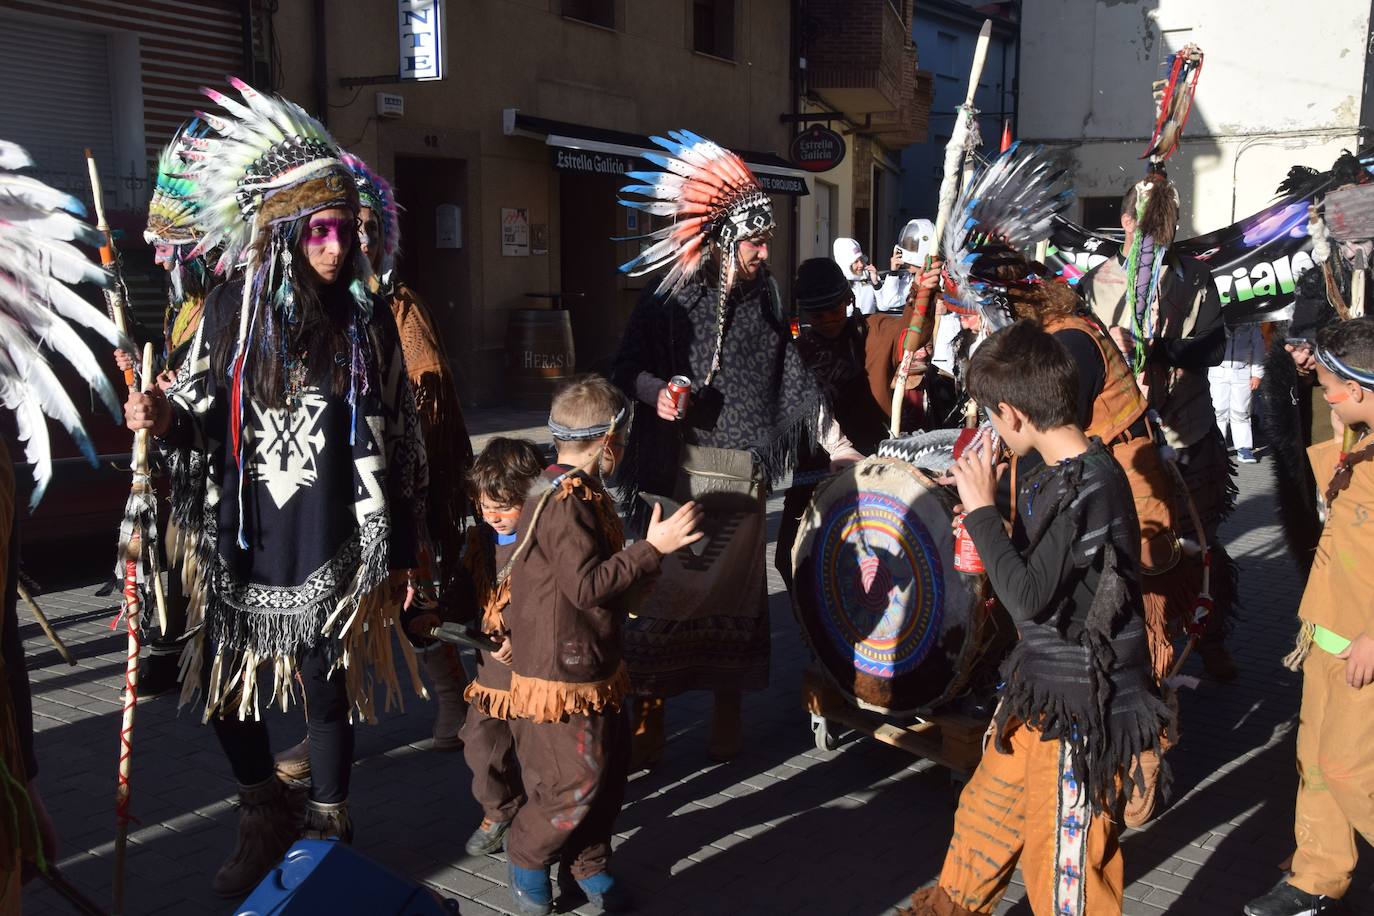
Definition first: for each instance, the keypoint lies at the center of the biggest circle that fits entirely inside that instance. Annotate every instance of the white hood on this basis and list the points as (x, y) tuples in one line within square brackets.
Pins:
[(846, 252)]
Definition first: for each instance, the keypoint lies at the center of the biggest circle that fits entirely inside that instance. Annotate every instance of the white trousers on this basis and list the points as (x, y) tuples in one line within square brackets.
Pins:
[(1231, 401)]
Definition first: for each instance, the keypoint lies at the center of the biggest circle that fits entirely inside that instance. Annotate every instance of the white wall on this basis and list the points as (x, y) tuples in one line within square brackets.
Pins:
[(1280, 86)]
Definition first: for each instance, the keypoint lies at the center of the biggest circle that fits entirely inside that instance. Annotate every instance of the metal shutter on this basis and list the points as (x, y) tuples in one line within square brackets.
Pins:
[(57, 98)]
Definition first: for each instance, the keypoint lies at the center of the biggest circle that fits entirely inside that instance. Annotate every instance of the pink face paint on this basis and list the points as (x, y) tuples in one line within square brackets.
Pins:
[(327, 230)]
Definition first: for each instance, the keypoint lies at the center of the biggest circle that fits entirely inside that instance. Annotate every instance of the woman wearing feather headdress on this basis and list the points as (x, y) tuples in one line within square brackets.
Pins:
[(1164, 313), (446, 437), (717, 319), (313, 507), (38, 225)]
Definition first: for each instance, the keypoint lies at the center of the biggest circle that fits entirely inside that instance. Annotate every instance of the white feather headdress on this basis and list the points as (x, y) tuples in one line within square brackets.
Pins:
[(38, 311)]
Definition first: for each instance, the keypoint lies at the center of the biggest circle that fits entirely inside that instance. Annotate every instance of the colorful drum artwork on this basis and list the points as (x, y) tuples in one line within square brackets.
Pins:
[(877, 595)]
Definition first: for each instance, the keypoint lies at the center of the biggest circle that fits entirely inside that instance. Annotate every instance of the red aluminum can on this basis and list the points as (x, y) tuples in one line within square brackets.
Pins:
[(679, 385), (966, 559)]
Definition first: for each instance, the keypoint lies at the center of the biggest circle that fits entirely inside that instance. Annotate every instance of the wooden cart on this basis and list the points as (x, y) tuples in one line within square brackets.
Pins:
[(952, 740)]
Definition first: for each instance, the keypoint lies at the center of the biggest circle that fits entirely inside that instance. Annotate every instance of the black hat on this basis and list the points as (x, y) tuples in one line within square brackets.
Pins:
[(820, 285)]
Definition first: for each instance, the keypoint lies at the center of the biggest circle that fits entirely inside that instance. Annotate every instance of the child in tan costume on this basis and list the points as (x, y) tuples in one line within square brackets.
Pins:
[(1336, 646), (570, 592), (499, 478)]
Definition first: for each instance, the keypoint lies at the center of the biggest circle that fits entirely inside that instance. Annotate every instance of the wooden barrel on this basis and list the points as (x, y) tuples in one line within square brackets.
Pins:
[(539, 353)]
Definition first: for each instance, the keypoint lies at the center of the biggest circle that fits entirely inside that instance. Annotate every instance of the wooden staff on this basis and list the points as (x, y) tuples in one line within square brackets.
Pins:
[(115, 303), (131, 615), (42, 619), (919, 331)]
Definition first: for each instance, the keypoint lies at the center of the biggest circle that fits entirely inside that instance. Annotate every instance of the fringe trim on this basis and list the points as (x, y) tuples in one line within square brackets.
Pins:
[(552, 701), (1302, 647), (489, 701)]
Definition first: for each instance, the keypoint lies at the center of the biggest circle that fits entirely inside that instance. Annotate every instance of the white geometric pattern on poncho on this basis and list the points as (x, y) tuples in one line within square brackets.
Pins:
[(283, 444)]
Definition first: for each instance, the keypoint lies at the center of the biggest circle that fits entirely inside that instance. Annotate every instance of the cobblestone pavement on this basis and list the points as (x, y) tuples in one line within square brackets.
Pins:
[(785, 828)]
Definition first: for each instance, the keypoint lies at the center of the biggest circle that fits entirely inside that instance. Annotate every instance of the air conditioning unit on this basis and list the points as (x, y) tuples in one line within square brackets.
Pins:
[(390, 105)]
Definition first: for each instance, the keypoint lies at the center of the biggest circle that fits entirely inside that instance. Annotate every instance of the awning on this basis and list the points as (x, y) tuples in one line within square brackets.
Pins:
[(593, 150)]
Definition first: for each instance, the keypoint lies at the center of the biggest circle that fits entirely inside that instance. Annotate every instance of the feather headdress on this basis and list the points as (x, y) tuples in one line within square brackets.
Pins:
[(374, 193), (173, 210), (1008, 206), (714, 202), (38, 261), (265, 146)]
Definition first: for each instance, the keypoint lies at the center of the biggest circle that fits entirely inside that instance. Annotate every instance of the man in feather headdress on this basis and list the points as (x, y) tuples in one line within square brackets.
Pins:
[(717, 319), (1164, 313), (37, 312)]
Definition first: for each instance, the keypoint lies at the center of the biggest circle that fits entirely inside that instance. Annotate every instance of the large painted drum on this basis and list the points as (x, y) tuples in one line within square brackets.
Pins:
[(888, 617)]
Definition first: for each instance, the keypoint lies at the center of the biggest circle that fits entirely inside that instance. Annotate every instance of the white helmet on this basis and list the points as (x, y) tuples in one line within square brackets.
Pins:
[(917, 242)]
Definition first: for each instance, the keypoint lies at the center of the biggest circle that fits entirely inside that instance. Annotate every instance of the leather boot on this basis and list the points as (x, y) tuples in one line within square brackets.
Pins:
[(267, 828), (293, 764), (646, 739), (327, 821), (448, 680), (725, 727)]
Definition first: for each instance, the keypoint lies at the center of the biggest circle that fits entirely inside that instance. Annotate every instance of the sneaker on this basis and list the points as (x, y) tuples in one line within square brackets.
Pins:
[(1287, 900), (1246, 456), (487, 838), (601, 890), (531, 889)]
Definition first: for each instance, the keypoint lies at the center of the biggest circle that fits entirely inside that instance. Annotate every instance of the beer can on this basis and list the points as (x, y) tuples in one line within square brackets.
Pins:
[(966, 559), (679, 385)]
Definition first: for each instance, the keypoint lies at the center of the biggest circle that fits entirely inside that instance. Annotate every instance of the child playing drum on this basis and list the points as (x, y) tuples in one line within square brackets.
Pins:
[(1079, 703)]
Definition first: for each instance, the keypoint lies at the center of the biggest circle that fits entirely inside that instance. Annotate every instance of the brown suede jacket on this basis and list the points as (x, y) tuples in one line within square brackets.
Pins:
[(570, 590)]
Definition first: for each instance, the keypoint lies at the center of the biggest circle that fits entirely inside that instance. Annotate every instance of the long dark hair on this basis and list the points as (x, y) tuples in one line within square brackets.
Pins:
[(294, 319)]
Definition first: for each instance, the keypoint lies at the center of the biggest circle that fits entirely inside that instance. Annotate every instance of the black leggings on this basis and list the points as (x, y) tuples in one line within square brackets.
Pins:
[(246, 744)]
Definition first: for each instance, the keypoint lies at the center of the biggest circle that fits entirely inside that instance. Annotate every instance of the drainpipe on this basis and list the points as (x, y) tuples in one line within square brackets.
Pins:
[(321, 66), (795, 52)]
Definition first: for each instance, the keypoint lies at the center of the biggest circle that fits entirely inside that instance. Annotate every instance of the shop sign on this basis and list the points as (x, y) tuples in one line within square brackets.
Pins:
[(817, 149), (422, 37)]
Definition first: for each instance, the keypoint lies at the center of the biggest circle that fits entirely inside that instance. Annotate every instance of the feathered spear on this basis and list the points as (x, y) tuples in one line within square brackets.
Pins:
[(962, 139)]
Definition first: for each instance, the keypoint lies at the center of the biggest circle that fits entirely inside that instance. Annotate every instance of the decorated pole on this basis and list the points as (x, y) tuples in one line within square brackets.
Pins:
[(115, 301), (130, 615), (919, 331)]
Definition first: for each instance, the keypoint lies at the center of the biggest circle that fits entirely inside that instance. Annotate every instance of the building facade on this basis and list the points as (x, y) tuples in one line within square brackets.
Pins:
[(946, 31), (508, 165), (1277, 89), (858, 73)]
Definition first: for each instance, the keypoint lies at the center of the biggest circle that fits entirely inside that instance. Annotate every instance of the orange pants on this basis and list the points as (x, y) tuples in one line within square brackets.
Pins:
[(1025, 807), (1336, 775)]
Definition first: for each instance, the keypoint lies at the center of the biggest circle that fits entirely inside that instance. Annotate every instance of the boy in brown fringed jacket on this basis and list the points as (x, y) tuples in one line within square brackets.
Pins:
[(570, 585)]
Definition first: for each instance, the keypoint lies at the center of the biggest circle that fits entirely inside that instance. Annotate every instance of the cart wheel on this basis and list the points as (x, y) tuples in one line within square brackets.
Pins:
[(826, 739)]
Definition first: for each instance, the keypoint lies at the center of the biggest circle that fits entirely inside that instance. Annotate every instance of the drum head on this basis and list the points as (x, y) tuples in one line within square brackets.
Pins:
[(875, 590)]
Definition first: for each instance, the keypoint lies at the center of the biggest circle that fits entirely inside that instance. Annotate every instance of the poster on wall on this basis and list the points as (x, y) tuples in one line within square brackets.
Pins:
[(539, 238), (515, 232)]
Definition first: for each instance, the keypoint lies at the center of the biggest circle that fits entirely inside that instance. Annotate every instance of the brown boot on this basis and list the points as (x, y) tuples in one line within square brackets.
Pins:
[(327, 821), (448, 680), (1143, 804), (267, 828), (293, 764), (646, 739), (725, 727)]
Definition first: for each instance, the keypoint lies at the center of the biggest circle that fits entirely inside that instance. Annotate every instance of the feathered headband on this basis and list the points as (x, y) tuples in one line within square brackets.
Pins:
[(1008, 206), (374, 193), (271, 163), (173, 211), (37, 310), (713, 200)]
